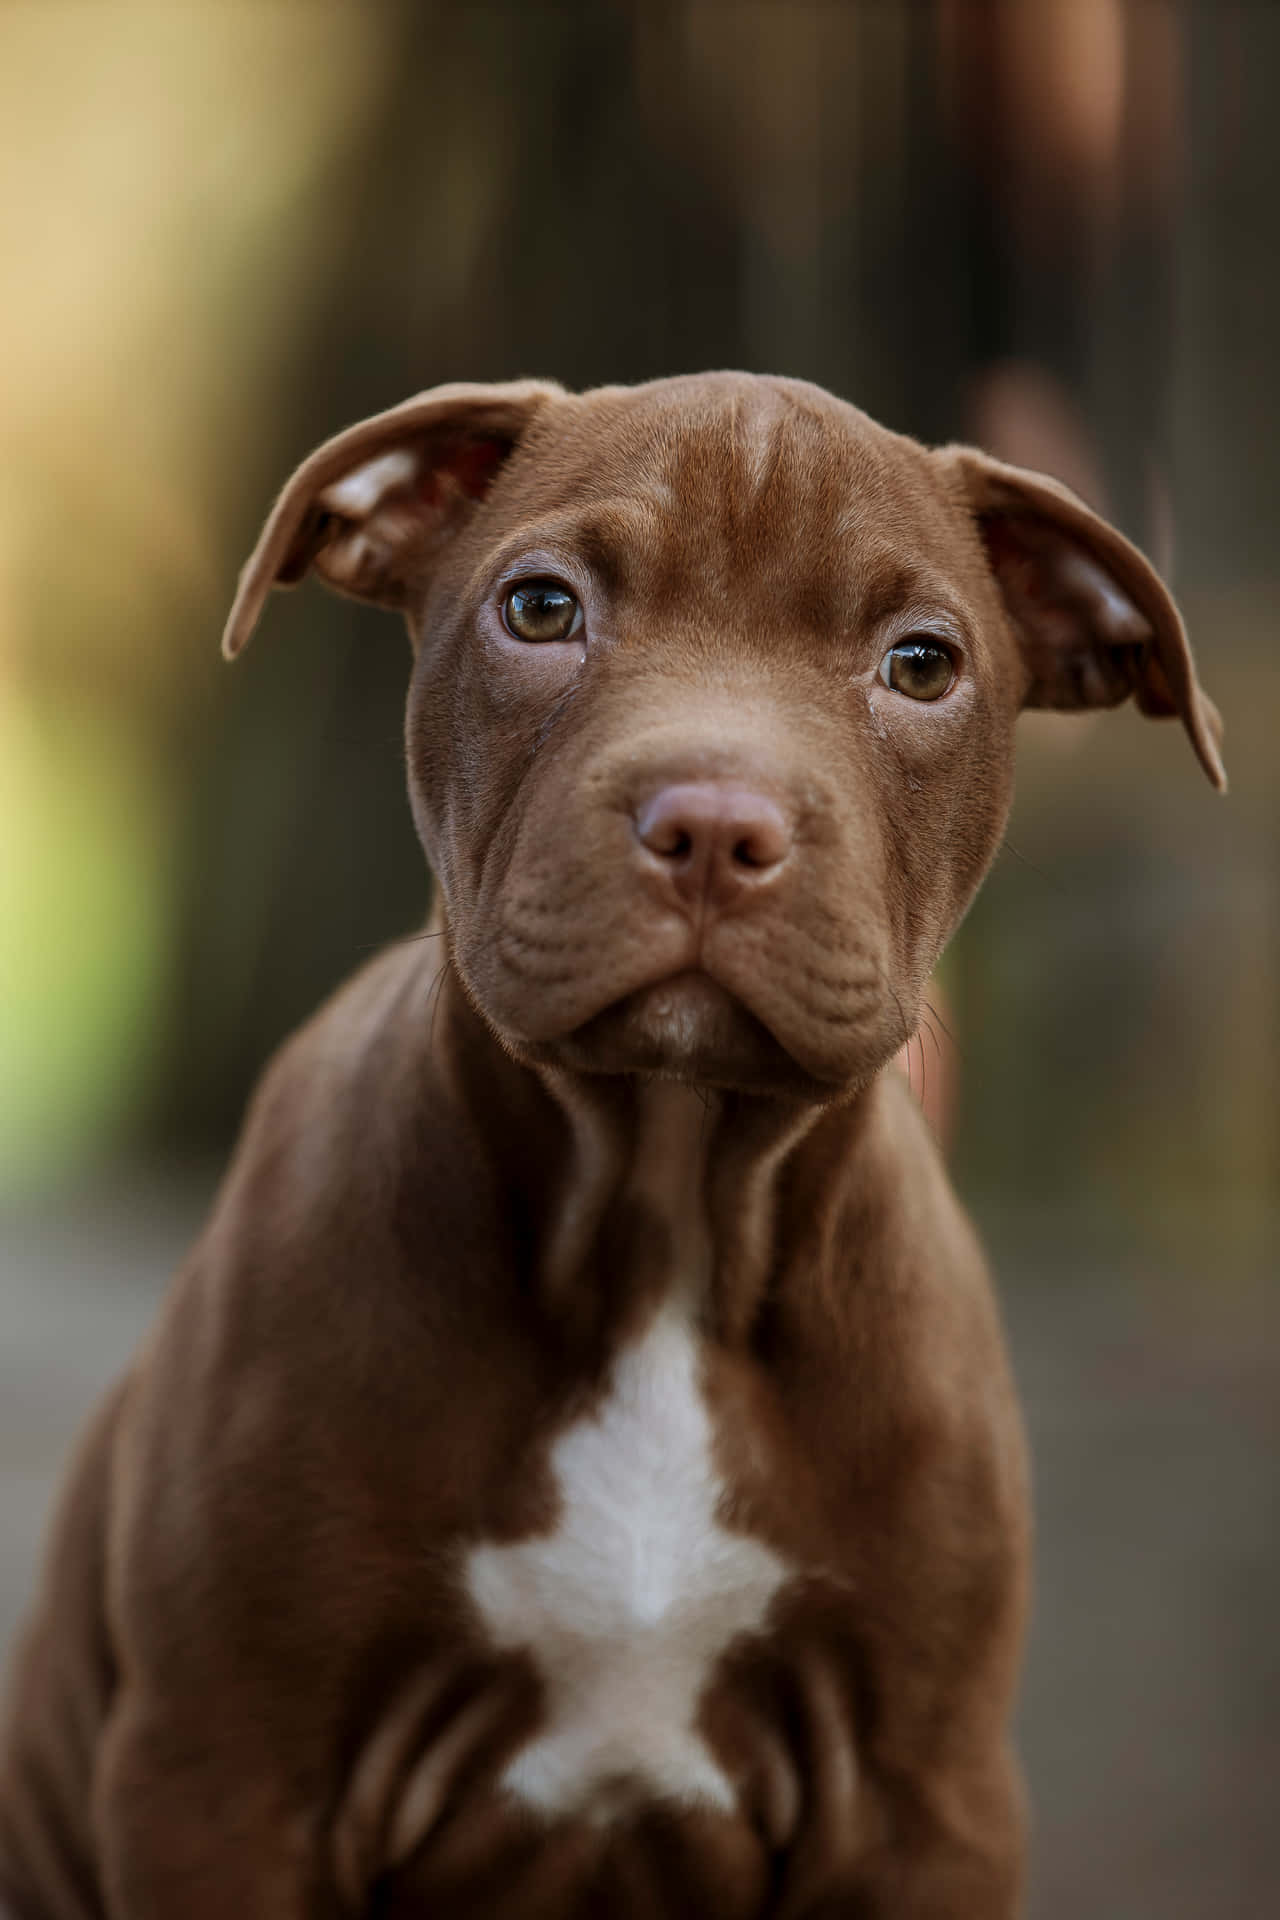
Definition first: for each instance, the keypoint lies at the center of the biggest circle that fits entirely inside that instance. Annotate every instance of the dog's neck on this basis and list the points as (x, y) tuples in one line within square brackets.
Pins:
[(634, 1188), (673, 1189)]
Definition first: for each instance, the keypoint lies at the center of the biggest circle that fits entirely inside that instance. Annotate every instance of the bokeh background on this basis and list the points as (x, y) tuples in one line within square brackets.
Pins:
[(1051, 225)]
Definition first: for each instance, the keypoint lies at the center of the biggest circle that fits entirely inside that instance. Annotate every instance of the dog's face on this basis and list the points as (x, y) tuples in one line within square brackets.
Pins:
[(697, 828), (711, 716)]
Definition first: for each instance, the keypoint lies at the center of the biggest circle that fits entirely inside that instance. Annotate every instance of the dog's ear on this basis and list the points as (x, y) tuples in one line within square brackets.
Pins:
[(1094, 621), (370, 508)]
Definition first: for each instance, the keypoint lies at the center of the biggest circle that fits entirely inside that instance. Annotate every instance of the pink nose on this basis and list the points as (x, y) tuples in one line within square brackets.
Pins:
[(714, 840)]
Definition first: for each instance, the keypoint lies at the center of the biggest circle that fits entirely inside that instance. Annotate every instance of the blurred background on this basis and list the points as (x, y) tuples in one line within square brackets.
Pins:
[(1049, 225)]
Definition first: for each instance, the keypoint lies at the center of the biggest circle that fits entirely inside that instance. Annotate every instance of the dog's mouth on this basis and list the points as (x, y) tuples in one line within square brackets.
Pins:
[(686, 1027)]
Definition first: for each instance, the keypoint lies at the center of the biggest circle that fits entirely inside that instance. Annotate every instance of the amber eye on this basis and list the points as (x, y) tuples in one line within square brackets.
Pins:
[(921, 668), (541, 610)]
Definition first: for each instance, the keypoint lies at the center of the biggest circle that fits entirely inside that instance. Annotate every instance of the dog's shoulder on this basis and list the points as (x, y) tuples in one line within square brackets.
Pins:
[(348, 1117), (372, 1031), (330, 1108)]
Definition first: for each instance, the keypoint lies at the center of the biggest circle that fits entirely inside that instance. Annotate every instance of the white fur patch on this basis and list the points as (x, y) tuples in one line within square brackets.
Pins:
[(627, 1605), (358, 492)]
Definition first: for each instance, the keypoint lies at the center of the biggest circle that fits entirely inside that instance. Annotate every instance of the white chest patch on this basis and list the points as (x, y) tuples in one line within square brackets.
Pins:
[(627, 1605)]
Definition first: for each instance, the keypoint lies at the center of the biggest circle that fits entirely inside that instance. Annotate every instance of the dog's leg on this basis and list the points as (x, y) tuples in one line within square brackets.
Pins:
[(175, 1837), (58, 1701), (946, 1844)]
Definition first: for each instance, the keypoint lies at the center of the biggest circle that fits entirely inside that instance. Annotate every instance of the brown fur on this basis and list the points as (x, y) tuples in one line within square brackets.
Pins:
[(254, 1685)]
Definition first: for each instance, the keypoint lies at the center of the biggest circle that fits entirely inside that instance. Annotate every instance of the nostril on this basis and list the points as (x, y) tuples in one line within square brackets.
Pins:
[(664, 833), (735, 828), (764, 844), (669, 823), (763, 838)]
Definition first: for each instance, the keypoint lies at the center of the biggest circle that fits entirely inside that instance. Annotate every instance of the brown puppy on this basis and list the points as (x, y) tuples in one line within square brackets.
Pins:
[(576, 1472)]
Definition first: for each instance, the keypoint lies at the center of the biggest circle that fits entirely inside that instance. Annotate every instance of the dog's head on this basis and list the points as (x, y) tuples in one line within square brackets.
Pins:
[(710, 728)]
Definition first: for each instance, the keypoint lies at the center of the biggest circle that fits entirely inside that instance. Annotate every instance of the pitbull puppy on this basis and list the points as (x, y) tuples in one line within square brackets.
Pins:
[(576, 1472)]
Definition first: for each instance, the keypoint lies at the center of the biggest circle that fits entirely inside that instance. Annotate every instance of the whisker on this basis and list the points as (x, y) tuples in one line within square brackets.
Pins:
[(928, 1026), (437, 984), (1007, 846), (411, 939), (369, 947), (906, 1030), (945, 1028)]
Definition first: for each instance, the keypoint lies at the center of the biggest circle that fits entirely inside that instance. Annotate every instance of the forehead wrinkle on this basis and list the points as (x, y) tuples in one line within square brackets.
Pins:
[(603, 535), (627, 520), (626, 540), (886, 582), (744, 494), (716, 456), (688, 506), (758, 436)]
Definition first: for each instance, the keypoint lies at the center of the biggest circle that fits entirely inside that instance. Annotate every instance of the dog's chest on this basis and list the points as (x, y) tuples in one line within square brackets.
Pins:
[(628, 1603)]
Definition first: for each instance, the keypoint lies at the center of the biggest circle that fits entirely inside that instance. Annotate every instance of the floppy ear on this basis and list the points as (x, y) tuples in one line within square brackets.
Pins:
[(370, 508), (1094, 621)]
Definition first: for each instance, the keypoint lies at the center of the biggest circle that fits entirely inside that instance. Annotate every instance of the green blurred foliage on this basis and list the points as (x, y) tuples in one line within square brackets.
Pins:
[(229, 230), (82, 904)]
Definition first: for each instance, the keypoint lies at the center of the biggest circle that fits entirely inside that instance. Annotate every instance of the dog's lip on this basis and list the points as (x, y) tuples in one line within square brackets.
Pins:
[(679, 1016), (687, 992), (688, 1024)]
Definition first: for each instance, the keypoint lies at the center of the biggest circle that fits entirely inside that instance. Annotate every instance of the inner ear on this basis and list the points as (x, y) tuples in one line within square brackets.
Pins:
[(1095, 624), (369, 509), (1085, 642), (373, 531)]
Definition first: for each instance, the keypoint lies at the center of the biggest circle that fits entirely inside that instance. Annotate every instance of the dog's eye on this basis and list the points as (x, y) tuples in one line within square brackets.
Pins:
[(541, 610), (920, 667)]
